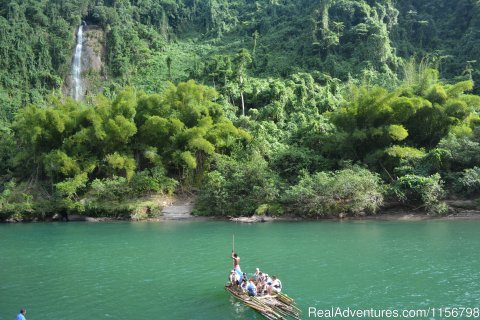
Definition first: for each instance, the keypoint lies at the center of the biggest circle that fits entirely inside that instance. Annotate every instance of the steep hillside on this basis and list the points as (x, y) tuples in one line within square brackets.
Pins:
[(307, 107), (343, 38)]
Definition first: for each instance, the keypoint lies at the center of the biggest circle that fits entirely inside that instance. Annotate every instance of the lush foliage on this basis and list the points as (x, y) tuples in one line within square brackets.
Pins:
[(239, 188), (379, 126), (134, 145), (302, 107), (420, 190), (353, 191), (148, 42)]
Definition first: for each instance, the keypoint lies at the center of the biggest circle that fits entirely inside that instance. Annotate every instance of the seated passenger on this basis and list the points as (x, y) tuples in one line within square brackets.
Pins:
[(257, 274), (264, 284), (244, 285), (260, 277), (260, 283), (251, 289), (276, 285), (231, 279), (268, 280)]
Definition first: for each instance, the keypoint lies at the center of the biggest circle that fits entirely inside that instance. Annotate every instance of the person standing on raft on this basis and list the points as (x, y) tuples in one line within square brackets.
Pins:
[(236, 266)]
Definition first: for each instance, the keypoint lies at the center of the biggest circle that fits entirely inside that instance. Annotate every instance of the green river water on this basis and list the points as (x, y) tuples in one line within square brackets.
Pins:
[(177, 269)]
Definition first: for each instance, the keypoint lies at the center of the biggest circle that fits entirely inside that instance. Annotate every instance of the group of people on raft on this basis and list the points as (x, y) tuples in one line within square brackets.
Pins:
[(258, 285)]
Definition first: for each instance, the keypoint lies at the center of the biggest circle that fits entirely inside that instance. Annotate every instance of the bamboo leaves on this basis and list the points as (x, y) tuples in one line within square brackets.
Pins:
[(180, 130)]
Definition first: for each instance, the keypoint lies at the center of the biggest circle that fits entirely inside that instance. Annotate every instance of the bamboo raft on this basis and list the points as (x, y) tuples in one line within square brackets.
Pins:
[(272, 307)]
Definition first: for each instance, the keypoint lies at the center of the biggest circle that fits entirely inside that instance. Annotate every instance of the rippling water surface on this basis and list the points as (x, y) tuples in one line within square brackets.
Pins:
[(176, 269)]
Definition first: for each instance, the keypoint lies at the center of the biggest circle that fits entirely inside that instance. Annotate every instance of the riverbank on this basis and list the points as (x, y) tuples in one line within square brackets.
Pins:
[(388, 215), (158, 208)]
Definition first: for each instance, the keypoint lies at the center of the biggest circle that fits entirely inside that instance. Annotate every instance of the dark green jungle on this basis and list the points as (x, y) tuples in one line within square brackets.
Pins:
[(270, 107)]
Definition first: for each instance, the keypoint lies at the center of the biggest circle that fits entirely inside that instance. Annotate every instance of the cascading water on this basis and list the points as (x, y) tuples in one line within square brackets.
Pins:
[(77, 65)]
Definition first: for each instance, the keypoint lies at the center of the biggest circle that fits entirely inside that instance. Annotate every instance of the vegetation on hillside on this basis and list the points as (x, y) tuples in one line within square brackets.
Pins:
[(311, 108)]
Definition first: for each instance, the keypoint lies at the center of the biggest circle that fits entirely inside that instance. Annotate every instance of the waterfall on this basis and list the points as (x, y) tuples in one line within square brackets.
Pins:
[(77, 65)]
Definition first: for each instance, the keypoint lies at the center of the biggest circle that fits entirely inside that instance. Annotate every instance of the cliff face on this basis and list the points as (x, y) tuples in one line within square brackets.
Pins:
[(93, 57)]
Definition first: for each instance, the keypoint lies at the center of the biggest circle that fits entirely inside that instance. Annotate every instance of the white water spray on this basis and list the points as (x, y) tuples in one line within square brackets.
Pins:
[(77, 66)]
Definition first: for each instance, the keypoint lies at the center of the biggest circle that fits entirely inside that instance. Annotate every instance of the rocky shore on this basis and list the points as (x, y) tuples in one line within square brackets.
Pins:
[(180, 207)]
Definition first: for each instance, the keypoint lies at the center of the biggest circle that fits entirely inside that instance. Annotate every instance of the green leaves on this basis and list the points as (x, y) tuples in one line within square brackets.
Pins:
[(155, 131), (181, 130), (187, 127), (151, 181), (69, 187), (397, 132), (58, 162), (354, 191), (420, 190), (190, 102), (374, 119), (188, 160), (459, 88), (469, 181), (121, 164), (237, 187), (437, 94), (405, 152)]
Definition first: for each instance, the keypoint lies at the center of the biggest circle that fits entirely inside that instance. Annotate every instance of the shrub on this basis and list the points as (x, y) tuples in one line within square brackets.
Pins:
[(437, 94), (152, 180), (272, 209), (67, 191), (237, 188), (214, 196), (464, 151), (469, 182), (419, 190), (354, 191), (115, 188), (289, 162)]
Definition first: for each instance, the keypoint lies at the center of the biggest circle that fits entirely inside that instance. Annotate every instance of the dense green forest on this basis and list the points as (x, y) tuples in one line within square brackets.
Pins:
[(309, 108)]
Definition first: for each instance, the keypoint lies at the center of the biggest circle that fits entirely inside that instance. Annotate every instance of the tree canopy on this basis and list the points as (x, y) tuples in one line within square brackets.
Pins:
[(303, 107)]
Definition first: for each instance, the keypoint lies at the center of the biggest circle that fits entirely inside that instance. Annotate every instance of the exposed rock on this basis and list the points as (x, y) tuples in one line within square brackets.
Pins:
[(470, 214), (57, 217), (77, 217), (93, 56), (462, 204), (94, 49), (252, 219), (181, 208), (412, 217)]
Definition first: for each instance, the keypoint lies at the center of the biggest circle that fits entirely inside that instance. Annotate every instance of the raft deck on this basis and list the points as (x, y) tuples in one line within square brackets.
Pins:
[(272, 307)]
